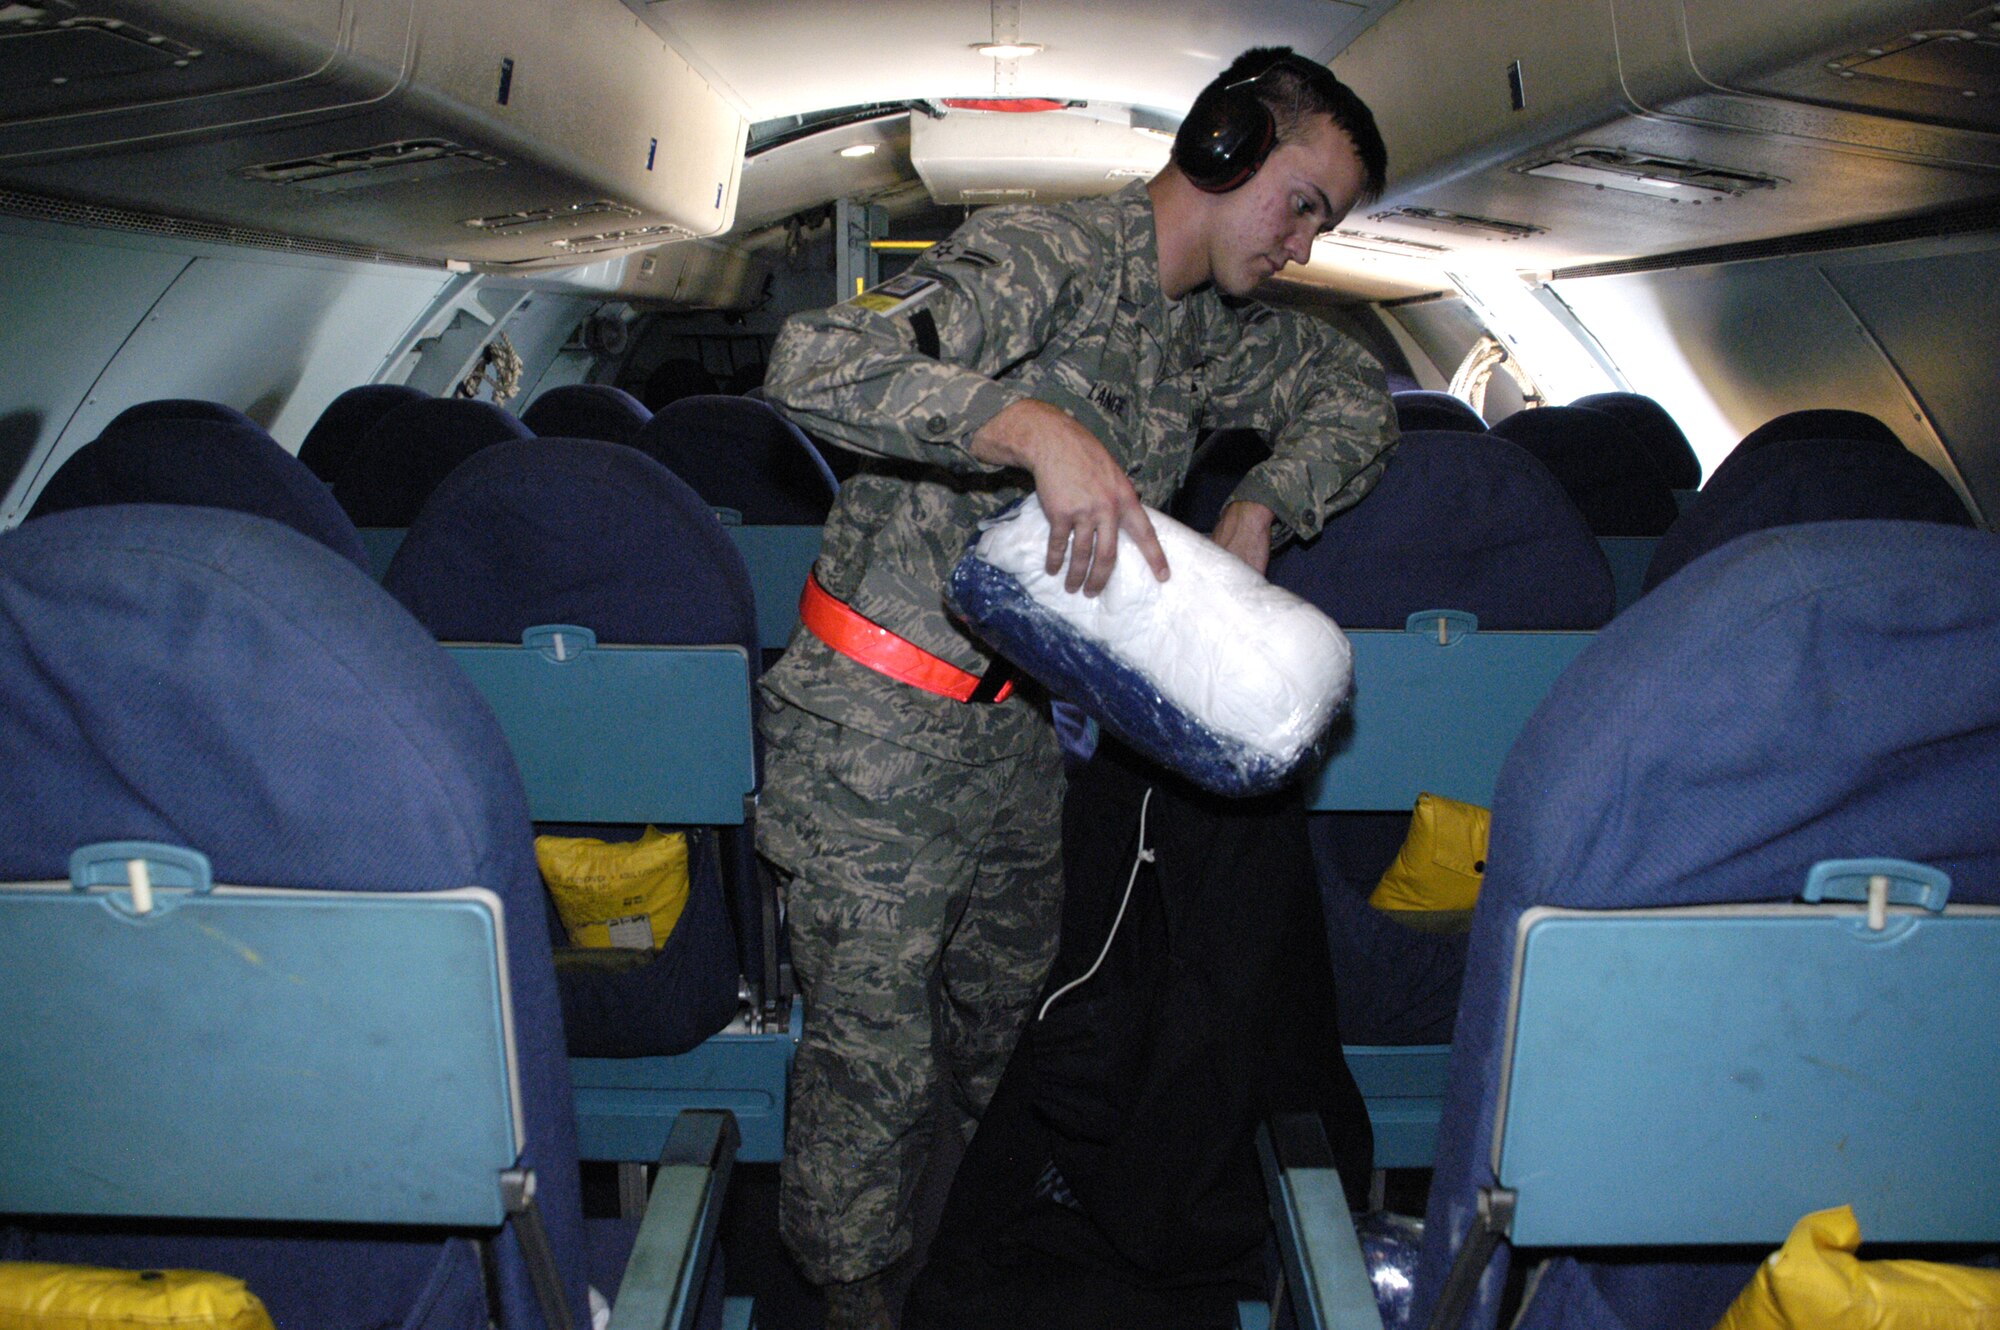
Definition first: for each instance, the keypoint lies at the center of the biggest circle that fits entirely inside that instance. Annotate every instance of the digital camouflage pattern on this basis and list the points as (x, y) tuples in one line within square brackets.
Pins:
[(1063, 304), (890, 852), (921, 836)]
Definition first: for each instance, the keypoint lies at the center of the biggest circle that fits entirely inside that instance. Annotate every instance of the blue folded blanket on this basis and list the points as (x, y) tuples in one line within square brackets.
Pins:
[(1215, 673)]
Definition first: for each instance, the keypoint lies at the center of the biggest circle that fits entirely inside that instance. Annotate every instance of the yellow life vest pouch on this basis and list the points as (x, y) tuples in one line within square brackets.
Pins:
[(38, 1296), (626, 894), (1815, 1281), (1435, 879)]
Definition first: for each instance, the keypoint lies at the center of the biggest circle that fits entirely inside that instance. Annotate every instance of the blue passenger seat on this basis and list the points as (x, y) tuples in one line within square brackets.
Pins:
[(1806, 480), (1458, 521), (743, 456), (213, 680), (1603, 467), (1427, 409), (594, 534), (337, 435), (204, 461), (1649, 422), (587, 411), (1802, 694), (411, 449)]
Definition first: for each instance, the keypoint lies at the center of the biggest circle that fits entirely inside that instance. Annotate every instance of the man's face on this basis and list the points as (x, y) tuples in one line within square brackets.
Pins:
[(1303, 188)]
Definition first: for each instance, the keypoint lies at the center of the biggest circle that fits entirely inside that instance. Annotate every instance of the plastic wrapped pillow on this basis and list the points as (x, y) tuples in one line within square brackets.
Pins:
[(1215, 673)]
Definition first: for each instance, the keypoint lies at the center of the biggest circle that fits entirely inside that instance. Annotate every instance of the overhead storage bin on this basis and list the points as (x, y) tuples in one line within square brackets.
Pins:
[(506, 133), (1567, 130)]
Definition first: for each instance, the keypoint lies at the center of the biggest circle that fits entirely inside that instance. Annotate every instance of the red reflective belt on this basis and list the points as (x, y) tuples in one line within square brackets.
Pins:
[(860, 639)]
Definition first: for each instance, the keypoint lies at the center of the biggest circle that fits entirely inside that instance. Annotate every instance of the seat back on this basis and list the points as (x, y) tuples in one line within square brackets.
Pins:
[(201, 461), (1661, 1158), (1216, 469), (410, 451), (1600, 464), (598, 535), (1649, 422), (209, 679), (742, 455), (1806, 480), (1458, 521), (1801, 694), (213, 1057), (336, 436), (674, 378), (1461, 522), (586, 411)]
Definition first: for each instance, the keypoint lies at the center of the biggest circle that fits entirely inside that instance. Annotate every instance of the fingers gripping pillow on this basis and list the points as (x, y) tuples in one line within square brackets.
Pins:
[(1215, 672)]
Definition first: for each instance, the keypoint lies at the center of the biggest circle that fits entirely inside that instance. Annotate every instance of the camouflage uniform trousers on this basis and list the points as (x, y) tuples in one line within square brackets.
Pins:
[(923, 899)]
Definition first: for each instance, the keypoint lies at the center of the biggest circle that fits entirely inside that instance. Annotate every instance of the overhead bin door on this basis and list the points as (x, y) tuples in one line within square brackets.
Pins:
[(505, 133)]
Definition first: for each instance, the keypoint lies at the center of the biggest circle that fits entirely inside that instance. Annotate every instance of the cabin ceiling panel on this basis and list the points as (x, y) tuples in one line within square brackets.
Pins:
[(775, 58)]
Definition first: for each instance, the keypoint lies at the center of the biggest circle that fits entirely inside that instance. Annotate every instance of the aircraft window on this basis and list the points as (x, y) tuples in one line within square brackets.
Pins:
[(1542, 339), (1468, 382)]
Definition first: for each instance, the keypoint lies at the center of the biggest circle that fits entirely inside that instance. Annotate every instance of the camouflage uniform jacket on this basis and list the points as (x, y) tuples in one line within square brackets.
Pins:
[(1060, 303)]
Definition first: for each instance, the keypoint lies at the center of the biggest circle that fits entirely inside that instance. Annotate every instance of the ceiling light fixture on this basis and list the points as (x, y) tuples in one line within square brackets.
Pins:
[(858, 150), (1007, 50)]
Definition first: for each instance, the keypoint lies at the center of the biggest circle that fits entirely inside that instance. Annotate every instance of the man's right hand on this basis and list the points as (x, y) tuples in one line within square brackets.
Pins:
[(1087, 497)]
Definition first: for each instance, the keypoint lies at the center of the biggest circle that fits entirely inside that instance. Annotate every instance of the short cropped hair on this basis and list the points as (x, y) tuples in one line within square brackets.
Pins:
[(1293, 88)]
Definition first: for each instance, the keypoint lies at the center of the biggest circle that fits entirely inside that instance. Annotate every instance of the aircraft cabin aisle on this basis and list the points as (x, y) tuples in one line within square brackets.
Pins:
[(350, 264)]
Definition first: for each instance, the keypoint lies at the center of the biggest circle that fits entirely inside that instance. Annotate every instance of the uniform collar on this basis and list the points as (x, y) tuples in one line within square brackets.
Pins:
[(1139, 234)]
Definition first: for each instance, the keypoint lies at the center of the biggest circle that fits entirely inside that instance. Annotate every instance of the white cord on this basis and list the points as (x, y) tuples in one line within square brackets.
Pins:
[(1145, 856)]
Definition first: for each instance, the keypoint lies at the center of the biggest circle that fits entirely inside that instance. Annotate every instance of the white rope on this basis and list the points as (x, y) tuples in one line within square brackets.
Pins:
[(1145, 856)]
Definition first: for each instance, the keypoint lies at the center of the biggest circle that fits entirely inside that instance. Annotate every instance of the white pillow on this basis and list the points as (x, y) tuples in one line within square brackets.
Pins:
[(1215, 672)]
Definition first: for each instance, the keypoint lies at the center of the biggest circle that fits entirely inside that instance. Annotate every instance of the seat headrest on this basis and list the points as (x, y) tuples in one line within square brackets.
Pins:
[(217, 680), (1854, 426), (1457, 521), (1806, 480), (573, 531), (334, 438), (178, 408), (1649, 422), (1423, 408), (1604, 469), (1824, 423), (411, 449), (206, 462), (586, 411), (743, 455), (1801, 693)]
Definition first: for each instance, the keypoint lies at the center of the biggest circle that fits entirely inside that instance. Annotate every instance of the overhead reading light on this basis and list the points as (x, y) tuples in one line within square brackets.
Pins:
[(857, 150), (1007, 50), (1644, 173), (1460, 221)]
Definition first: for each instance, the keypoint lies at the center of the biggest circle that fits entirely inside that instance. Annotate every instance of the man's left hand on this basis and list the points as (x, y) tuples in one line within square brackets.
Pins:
[(1245, 531)]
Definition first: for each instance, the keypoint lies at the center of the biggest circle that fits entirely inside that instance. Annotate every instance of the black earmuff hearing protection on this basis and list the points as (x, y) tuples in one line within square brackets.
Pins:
[(1227, 134)]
